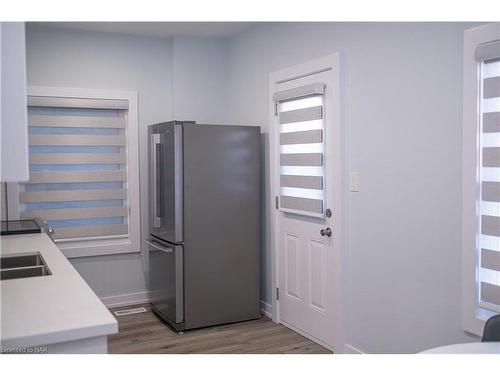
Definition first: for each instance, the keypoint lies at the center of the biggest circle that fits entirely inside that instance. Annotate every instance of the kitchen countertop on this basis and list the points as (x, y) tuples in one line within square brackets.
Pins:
[(44, 310)]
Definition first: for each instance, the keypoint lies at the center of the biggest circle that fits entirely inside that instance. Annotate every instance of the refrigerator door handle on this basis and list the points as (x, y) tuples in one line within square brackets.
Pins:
[(158, 247), (155, 141)]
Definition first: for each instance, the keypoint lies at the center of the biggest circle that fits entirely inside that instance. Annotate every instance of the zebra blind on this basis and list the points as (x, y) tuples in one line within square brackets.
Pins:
[(78, 167), (489, 178), (301, 137)]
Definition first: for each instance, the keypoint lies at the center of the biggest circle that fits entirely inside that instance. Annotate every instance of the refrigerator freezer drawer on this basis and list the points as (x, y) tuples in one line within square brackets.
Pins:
[(166, 264)]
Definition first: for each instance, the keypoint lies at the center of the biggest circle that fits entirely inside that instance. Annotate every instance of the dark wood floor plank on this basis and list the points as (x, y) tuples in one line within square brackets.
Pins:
[(144, 333)]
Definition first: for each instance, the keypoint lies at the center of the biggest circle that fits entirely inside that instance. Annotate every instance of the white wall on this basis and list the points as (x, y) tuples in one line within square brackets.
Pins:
[(402, 122), (199, 79), (183, 78)]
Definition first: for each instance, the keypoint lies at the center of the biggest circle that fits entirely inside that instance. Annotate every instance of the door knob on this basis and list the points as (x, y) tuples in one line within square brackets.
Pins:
[(326, 232)]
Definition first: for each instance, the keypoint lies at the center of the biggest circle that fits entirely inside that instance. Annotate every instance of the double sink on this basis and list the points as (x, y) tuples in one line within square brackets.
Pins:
[(22, 266)]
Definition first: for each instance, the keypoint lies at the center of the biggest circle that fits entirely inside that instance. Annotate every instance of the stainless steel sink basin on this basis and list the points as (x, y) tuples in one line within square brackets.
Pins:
[(21, 266), (25, 260)]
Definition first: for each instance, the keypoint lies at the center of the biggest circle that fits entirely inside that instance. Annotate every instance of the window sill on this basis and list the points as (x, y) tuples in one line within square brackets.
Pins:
[(79, 249), (475, 324)]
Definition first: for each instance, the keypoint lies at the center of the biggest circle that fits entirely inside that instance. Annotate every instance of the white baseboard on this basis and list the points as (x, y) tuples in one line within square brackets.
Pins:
[(349, 349), (125, 299), (266, 309), (143, 297)]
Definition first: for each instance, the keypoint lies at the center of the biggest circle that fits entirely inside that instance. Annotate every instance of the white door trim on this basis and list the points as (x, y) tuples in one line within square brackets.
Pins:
[(297, 71)]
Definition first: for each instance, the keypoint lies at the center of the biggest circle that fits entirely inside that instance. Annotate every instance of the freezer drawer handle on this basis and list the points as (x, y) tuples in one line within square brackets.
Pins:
[(158, 247)]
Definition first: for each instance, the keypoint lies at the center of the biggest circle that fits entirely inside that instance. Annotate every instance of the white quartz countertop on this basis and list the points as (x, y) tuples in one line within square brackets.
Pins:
[(48, 309)]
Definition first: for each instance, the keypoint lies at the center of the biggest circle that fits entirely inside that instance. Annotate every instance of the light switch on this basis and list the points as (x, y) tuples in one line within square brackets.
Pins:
[(354, 181)]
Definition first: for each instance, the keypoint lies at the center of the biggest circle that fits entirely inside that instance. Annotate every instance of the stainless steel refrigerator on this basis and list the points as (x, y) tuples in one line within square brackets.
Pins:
[(204, 223)]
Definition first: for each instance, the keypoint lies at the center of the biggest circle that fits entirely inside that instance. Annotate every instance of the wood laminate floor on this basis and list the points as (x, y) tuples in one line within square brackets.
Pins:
[(144, 333)]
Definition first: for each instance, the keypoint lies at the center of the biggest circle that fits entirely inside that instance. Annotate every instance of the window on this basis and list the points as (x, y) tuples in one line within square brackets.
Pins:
[(489, 188), (481, 193), (83, 170), (300, 119)]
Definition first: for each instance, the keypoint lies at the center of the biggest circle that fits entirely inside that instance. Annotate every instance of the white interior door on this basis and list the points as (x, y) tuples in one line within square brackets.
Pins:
[(306, 174)]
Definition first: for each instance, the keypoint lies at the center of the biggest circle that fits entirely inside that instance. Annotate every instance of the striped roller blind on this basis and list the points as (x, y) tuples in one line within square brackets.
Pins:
[(78, 167), (489, 178), (301, 137)]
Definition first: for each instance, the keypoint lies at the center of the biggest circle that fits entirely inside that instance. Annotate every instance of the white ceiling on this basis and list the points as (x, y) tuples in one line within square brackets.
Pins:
[(159, 29)]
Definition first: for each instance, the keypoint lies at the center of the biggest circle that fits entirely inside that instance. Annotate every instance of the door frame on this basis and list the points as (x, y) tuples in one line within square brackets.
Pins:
[(326, 63)]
